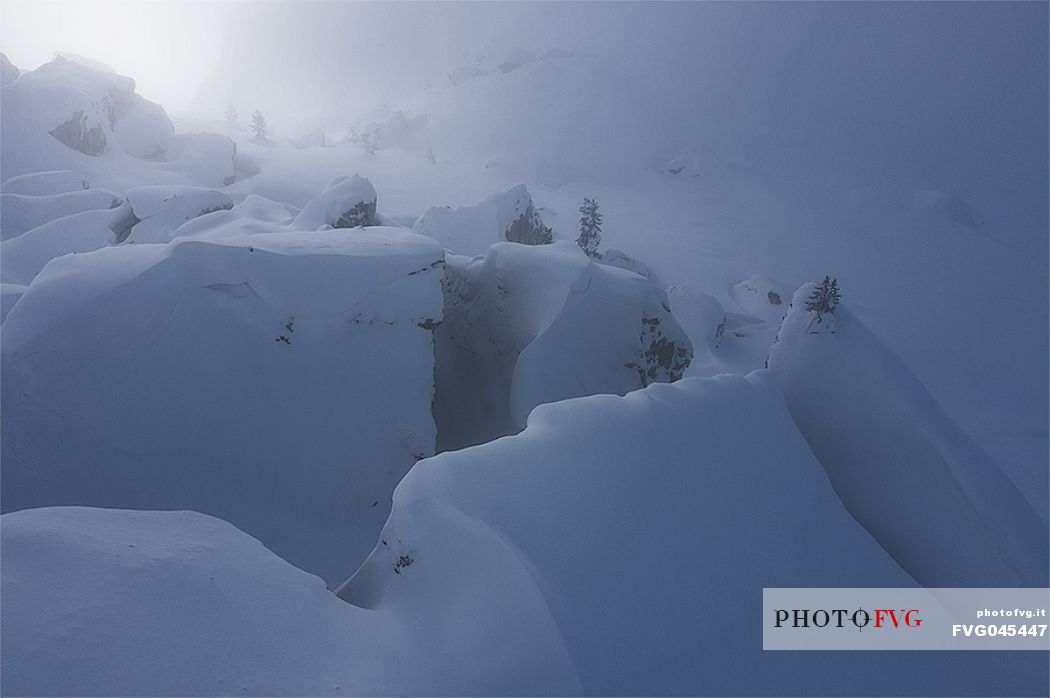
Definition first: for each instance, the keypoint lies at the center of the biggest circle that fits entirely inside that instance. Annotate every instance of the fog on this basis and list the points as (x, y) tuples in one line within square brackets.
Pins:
[(924, 91)]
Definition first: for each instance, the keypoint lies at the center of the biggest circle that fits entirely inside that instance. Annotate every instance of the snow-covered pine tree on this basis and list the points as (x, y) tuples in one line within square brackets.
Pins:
[(590, 227), (259, 126), (231, 112), (824, 298)]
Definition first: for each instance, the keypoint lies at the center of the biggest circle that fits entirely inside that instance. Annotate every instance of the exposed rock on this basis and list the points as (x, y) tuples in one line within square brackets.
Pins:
[(78, 135)]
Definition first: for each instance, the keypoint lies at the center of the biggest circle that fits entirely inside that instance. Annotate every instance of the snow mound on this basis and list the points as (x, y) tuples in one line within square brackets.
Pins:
[(148, 603), (46, 183), (531, 324), (348, 202), (23, 257), (162, 209), (509, 216), (20, 213), (636, 525), (908, 473), (282, 382)]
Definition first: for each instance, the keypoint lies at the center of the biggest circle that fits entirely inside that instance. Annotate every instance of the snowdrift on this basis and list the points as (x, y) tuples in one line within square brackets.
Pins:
[(282, 382), (934, 500), (526, 325), (631, 528)]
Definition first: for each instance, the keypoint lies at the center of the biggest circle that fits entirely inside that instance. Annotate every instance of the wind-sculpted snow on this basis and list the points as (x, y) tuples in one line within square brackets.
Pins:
[(19, 213), (160, 209), (526, 325), (146, 603), (22, 257), (645, 527), (509, 216), (46, 183), (935, 501), (282, 382)]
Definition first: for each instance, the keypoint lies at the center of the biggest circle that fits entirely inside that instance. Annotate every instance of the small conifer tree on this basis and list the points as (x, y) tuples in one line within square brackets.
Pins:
[(231, 112), (824, 298), (590, 227), (259, 125)]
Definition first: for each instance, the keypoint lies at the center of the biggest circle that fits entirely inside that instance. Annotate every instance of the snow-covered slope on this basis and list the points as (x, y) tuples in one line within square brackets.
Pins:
[(517, 567), (282, 382), (937, 503), (641, 530), (135, 603)]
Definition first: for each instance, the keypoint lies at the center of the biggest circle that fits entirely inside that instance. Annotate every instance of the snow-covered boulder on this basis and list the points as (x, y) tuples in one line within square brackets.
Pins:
[(161, 209), (348, 202), (632, 536), (905, 470), (531, 324), (46, 183), (86, 109), (282, 382), (8, 71), (19, 213), (22, 257), (510, 216)]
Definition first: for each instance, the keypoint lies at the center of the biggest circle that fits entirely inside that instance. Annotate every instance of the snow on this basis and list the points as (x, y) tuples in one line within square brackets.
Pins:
[(19, 213), (46, 183), (22, 257), (282, 382), (935, 501), (470, 230), (348, 202), (628, 529), (162, 209), (144, 366), (530, 324)]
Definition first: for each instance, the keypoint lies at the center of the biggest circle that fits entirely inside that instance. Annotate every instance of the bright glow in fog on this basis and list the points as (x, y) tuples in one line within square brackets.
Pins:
[(168, 47)]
